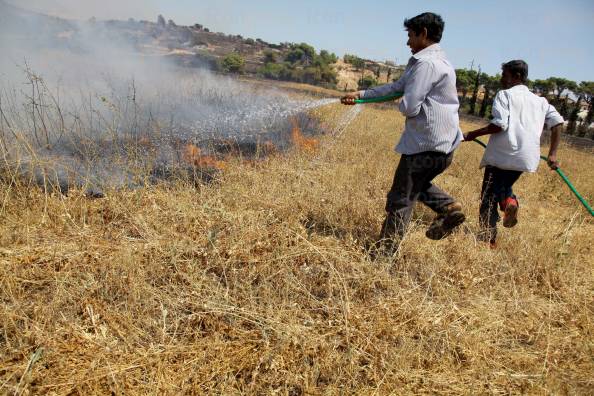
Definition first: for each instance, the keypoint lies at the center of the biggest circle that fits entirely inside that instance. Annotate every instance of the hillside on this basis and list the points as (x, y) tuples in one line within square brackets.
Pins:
[(190, 46), (259, 283)]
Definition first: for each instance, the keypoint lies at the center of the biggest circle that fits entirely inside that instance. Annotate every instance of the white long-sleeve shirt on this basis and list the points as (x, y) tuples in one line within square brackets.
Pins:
[(430, 103), (522, 116)]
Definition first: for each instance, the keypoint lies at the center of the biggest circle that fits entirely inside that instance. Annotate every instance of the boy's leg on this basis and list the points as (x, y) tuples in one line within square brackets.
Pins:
[(507, 200), (431, 195), (400, 200), (412, 181), (449, 211), (488, 214), (412, 178)]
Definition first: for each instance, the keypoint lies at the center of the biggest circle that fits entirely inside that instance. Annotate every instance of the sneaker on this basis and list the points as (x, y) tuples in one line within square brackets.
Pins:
[(510, 212), (444, 224)]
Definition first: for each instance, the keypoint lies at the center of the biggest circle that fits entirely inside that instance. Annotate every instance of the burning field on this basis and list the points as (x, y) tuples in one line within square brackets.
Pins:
[(260, 283), (140, 135)]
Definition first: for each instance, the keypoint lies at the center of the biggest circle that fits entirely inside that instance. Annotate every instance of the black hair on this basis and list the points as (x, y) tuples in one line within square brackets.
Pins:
[(428, 20), (518, 68)]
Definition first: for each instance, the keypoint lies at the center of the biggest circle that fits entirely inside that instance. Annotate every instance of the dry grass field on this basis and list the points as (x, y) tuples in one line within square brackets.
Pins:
[(259, 283)]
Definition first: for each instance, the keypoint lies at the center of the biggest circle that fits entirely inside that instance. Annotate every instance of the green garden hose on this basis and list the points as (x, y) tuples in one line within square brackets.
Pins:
[(565, 179), (381, 99)]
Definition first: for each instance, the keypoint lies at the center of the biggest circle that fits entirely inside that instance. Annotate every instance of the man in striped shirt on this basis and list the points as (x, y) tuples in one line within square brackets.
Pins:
[(431, 134)]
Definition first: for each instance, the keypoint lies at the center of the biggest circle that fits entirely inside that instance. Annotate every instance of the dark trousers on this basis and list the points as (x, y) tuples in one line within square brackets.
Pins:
[(497, 186), (412, 182)]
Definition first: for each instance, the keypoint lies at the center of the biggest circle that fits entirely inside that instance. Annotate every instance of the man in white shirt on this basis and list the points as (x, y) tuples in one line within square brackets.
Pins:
[(431, 134), (514, 146)]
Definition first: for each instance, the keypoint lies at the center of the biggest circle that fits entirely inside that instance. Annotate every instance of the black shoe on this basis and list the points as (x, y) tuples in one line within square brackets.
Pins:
[(444, 224)]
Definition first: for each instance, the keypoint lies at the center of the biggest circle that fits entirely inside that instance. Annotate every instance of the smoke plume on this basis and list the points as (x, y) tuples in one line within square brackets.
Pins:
[(83, 103)]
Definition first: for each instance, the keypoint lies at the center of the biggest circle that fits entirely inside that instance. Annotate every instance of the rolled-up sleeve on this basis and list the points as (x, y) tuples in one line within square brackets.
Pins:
[(553, 118), (500, 111), (418, 84), (384, 90)]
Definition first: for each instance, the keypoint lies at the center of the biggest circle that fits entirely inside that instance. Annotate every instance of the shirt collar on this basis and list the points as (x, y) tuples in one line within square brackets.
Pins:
[(429, 52), (519, 87)]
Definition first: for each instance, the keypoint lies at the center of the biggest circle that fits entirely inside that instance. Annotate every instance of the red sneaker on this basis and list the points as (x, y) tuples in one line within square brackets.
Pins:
[(510, 212)]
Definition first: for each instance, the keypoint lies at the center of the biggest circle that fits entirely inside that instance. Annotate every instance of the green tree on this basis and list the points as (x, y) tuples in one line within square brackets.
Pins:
[(476, 85), (464, 82), (269, 56), (301, 53), (573, 118), (328, 75), (302, 64), (378, 72), (490, 85), (367, 82), (543, 87), (357, 62), (275, 71), (233, 63), (561, 84), (327, 57)]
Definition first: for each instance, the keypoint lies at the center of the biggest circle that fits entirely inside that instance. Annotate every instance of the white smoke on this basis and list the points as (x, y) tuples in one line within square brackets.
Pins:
[(79, 95), (86, 9)]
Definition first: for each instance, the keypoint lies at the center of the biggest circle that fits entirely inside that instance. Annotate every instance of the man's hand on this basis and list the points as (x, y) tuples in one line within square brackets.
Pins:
[(552, 162), (349, 99), (468, 137), (556, 132), (488, 130)]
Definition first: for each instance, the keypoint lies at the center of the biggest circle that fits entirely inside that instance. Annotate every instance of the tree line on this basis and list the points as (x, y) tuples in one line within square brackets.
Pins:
[(300, 62)]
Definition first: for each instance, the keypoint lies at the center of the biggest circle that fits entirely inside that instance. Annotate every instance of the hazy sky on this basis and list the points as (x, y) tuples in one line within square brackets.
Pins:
[(555, 37)]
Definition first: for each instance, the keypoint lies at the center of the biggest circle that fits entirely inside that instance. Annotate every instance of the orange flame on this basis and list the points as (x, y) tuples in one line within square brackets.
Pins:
[(304, 143), (193, 155)]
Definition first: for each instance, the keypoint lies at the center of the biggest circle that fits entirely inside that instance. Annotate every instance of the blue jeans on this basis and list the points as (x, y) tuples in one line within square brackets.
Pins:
[(497, 186)]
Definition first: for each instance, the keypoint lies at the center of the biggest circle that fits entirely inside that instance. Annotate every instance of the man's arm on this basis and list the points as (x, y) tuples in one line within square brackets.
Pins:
[(555, 139), (554, 121), (375, 92), (418, 85), (384, 90), (500, 121), (488, 130)]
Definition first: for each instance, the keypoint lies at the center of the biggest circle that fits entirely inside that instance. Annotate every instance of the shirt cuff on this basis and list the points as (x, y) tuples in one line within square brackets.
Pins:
[(555, 121), (500, 123), (362, 94)]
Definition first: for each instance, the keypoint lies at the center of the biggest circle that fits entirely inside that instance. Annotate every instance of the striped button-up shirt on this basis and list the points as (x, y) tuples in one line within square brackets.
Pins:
[(430, 103)]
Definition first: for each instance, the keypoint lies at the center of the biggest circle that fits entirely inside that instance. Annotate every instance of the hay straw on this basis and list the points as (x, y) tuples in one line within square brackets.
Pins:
[(260, 284)]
